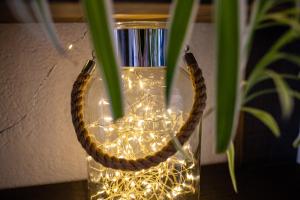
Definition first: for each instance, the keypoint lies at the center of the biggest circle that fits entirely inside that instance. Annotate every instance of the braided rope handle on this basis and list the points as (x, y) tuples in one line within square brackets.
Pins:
[(88, 141)]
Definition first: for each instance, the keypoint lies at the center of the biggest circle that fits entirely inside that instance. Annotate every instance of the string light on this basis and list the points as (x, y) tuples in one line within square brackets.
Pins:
[(143, 131), (70, 46)]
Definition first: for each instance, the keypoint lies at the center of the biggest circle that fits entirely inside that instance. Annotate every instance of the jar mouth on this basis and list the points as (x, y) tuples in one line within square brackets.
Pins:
[(141, 25), (141, 43)]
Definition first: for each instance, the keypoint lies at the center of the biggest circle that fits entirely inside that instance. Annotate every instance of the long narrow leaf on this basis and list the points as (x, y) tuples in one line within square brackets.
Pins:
[(227, 76), (291, 58), (271, 56), (296, 142), (258, 10), (42, 13), (298, 9), (99, 16), (292, 93), (295, 94), (283, 19), (257, 94), (282, 87), (183, 15), (265, 118), (259, 75), (231, 165)]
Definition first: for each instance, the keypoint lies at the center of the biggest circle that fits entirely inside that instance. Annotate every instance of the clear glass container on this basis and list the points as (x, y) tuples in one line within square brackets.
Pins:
[(147, 125)]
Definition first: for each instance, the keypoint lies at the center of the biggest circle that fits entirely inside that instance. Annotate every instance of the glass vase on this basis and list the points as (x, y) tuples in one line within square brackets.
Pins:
[(147, 125)]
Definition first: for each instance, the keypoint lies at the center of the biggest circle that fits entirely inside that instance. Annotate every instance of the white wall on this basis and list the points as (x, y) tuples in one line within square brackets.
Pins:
[(37, 141)]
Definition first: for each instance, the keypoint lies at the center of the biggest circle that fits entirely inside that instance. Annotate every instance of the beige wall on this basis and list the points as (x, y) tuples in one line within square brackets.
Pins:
[(37, 141)]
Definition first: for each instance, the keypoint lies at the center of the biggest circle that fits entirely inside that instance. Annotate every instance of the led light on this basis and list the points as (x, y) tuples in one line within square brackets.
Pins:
[(103, 102), (141, 132), (140, 122), (141, 84), (129, 84), (107, 119)]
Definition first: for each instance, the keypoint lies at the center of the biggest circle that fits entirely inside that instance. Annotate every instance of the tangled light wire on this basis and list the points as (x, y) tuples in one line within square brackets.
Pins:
[(143, 131)]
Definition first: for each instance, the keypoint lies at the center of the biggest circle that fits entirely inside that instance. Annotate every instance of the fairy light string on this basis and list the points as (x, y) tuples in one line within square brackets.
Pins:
[(145, 129)]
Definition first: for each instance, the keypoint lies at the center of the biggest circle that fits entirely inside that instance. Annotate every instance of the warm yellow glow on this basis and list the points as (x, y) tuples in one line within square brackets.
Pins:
[(143, 131), (168, 179), (70, 46)]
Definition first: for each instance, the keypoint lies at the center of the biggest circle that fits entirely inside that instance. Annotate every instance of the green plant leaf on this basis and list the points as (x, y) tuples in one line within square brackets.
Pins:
[(296, 142), (228, 71), (290, 77), (297, 4), (271, 56), (231, 165), (292, 93), (284, 19), (99, 17), (42, 13), (295, 94), (282, 87), (258, 11), (291, 58), (268, 25), (265, 118), (257, 94), (259, 75), (183, 14)]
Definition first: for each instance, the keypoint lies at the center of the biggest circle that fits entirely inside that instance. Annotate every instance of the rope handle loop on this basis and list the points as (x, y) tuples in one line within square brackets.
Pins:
[(89, 142)]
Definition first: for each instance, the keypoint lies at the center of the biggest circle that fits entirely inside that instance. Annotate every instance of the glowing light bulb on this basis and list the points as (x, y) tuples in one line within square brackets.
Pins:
[(107, 119), (132, 184), (147, 108), (132, 196), (141, 84), (190, 177), (129, 84), (140, 122), (103, 102)]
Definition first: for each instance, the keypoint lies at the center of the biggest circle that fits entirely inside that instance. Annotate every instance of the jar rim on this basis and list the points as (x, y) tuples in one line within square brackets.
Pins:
[(141, 25)]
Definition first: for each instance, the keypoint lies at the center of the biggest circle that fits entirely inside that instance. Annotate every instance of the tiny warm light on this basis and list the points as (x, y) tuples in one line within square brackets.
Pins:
[(103, 102), (70, 46), (108, 119)]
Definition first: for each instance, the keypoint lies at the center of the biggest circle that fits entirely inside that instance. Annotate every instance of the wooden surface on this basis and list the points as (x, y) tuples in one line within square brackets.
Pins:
[(280, 182), (73, 12)]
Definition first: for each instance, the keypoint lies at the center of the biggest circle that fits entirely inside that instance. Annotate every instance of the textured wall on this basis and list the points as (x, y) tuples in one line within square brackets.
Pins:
[(37, 141)]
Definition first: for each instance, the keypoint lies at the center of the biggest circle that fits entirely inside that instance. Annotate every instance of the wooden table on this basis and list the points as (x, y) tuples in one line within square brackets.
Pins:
[(280, 182)]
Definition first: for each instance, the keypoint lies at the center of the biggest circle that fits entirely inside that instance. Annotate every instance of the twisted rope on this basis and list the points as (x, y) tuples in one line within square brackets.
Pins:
[(88, 141)]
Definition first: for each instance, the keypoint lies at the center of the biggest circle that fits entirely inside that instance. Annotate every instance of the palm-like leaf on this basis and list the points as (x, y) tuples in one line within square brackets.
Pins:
[(265, 118), (183, 15), (99, 17), (227, 77), (230, 157), (283, 92), (296, 143)]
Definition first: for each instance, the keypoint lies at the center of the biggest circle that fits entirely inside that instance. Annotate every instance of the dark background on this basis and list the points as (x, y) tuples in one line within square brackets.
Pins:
[(259, 143)]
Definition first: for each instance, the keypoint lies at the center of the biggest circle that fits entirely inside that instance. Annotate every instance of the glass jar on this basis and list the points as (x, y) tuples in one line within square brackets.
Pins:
[(147, 125)]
